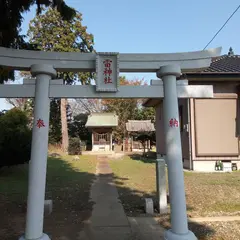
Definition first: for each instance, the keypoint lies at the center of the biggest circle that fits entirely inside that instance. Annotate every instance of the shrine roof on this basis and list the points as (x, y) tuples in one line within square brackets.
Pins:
[(140, 126), (102, 120)]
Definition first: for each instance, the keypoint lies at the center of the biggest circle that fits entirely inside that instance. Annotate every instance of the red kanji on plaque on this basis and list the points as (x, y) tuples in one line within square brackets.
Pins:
[(173, 122), (40, 123), (107, 71), (107, 80), (107, 63)]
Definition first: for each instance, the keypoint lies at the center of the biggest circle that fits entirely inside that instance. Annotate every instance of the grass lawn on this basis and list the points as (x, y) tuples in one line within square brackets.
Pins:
[(68, 185), (207, 194)]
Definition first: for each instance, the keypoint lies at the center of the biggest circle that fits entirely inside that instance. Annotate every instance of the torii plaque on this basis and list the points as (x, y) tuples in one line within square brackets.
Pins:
[(107, 72)]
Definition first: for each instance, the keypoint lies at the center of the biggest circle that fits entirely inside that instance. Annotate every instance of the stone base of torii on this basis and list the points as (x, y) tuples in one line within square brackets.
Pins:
[(42, 90)]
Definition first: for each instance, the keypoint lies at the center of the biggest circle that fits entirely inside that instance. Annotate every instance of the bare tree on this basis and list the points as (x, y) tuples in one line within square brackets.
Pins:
[(86, 106), (20, 103)]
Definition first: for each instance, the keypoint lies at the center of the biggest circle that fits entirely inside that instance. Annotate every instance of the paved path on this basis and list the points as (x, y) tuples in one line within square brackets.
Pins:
[(108, 220)]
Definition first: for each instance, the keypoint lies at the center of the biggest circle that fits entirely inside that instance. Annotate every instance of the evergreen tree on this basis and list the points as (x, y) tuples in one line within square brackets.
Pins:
[(11, 17), (48, 31)]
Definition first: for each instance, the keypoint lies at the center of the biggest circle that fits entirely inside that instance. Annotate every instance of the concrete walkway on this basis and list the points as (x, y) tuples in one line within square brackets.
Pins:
[(108, 220)]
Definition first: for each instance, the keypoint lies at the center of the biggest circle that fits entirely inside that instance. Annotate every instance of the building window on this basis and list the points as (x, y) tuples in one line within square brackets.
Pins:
[(101, 138)]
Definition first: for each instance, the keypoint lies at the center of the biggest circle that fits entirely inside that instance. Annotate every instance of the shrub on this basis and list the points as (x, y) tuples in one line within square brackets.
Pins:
[(74, 147), (77, 127), (83, 145), (15, 138)]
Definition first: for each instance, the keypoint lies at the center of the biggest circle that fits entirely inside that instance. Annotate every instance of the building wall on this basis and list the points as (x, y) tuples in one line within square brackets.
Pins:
[(160, 140), (214, 123), (214, 127), (97, 148), (208, 165)]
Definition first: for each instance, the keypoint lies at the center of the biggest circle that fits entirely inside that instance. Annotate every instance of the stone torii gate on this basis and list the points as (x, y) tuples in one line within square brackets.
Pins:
[(43, 66)]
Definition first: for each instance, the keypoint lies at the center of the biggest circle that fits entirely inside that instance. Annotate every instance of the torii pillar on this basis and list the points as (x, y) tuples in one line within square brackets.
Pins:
[(39, 151), (179, 221)]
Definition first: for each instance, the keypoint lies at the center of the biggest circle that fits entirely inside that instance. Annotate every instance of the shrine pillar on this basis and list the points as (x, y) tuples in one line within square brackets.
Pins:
[(92, 139), (39, 154), (131, 143), (179, 222)]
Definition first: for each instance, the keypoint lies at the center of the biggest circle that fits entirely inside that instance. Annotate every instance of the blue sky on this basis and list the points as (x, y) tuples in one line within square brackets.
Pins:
[(155, 26)]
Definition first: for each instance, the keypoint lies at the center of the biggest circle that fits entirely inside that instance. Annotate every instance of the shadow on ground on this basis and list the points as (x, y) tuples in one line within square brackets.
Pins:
[(68, 188), (133, 203), (145, 158)]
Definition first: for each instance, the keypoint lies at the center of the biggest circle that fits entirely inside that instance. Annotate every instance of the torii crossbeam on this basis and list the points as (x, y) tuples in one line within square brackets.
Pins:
[(43, 66)]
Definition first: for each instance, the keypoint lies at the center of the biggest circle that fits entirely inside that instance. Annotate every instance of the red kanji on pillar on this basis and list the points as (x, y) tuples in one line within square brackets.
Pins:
[(40, 123), (173, 122)]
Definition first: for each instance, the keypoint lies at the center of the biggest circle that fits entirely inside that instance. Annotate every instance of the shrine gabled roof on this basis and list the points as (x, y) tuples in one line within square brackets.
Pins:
[(102, 120), (140, 126)]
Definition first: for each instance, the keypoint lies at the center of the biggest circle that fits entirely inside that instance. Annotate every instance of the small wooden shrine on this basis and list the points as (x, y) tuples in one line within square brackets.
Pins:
[(101, 125), (137, 126)]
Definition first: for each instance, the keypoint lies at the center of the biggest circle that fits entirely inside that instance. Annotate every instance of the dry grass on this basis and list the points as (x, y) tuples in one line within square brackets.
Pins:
[(213, 194), (55, 148), (134, 181), (210, 230), (207, 194), (68, 185)]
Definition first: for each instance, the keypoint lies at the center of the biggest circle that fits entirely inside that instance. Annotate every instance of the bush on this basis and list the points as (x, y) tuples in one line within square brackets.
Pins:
[(83, 145), (74, 147), (77, 128), (15, 138)]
